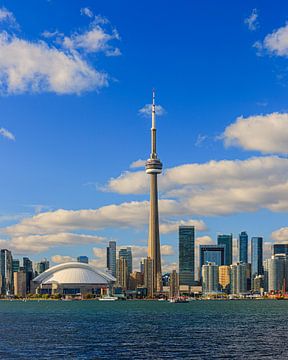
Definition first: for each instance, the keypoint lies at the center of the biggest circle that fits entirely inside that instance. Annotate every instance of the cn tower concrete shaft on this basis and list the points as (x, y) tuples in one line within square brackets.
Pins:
[(153, 168)]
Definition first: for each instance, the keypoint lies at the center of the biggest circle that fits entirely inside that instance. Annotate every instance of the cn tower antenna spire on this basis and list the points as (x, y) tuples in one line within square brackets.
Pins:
[(153, 128)]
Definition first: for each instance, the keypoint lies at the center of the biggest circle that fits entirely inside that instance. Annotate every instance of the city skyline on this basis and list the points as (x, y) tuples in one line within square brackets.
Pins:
[(74, 152)]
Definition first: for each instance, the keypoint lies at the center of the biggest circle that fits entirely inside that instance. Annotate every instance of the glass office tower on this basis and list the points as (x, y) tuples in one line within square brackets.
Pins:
[(243, 247), (186, 255), (226, 240), (256, 256)]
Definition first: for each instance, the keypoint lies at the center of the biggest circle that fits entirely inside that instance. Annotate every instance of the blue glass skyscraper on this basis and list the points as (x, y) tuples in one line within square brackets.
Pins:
[(186, 255), (226, 240), (243, 247), (256, 256)]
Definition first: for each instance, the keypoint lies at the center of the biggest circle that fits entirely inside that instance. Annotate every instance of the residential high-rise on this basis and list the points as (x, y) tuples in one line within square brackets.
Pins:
[(83, 259), (20, 283), (122, 273), (186, 255), (174, 284), (28, 268), (42, 266), (6, 268), (127, 254), (212, 253), (280, 249), (238, 278), (277, 272), (256, 257), (153, 168), (210, 278), (243, 247), (111, 257), (224, 278), (226, 240), (148, 277)]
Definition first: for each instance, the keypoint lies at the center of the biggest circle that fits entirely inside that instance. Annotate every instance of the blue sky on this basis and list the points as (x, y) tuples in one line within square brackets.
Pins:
[(72, 82)]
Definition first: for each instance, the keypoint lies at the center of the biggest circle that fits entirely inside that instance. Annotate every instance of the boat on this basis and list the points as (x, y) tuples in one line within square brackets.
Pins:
[(162, 299), (108, 298), (179, 300)]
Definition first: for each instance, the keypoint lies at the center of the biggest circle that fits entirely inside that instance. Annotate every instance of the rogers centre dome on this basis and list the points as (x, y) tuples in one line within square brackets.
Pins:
[(72, 278)]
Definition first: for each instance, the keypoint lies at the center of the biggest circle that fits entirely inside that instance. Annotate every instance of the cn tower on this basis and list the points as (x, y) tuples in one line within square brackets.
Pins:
[(153, 168)]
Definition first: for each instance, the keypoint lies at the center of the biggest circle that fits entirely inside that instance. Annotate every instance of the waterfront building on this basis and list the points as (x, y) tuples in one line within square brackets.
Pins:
[(83, 259), (166, 279), (186, 255), (28, 268), (15, 265), (148, 277), (265, 272), (210, 278), (224, 278), (238, 278), (72, 278), (111, 257), (279, 249), (258, 284), (243, 247), (256, 257), (277, 273), (6, 269), (126, 253), (174, 284), (136, 279), (212, 253), (41, 266), (227, 241), (19, 283), (153, 168), (122, 273)]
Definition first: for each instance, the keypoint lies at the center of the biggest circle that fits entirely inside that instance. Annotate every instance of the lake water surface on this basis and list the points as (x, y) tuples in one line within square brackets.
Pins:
[(144, 330)]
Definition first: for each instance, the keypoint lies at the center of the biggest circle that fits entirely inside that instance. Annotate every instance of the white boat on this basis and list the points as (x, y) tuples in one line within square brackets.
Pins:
[(162, 299), (108, 298)]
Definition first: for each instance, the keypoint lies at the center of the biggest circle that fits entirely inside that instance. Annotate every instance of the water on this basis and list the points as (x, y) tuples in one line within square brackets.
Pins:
[(144, 330)]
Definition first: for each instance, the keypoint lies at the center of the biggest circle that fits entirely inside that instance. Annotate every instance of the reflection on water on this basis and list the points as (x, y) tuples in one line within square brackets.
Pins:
[(144, 330)]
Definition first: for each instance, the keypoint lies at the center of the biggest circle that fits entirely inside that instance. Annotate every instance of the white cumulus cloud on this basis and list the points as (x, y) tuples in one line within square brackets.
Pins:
[(61, 67), (275, 43), (266, 133)]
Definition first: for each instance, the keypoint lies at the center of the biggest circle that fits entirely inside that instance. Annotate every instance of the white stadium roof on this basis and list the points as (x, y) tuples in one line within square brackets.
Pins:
[(74, 273)]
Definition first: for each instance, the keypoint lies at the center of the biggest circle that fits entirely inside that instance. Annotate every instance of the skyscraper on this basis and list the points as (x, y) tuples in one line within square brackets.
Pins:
[(153, 168), (226, 240), (15, 265), (277, 272), (256, 257), (126, 253), (280, 249), (148, 276), (224, 278), (122, 273), (174, 284), (212, 253), (210, 278), (186, 255), (111, 257), (42, 266), (83, 259), (6, 268), (243, 247), (238, 278), (28, 268)]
